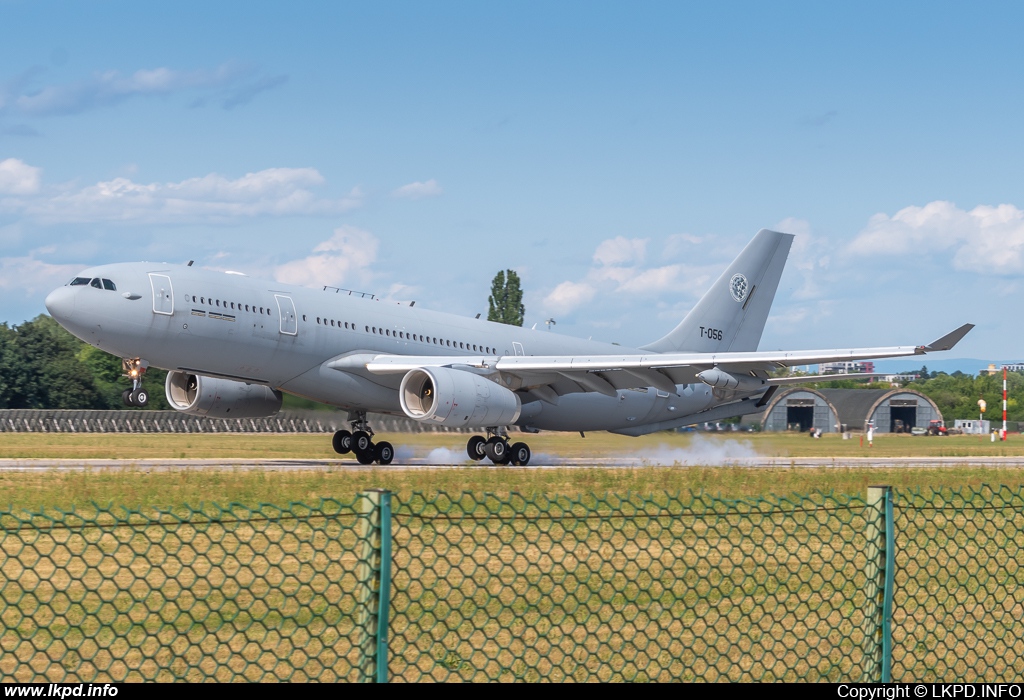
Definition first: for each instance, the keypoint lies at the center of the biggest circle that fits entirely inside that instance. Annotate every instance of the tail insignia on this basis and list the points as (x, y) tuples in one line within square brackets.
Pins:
[(738, 287)]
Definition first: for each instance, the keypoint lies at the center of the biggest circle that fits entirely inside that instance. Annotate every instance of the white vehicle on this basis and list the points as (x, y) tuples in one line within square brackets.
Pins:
[(233, 344)]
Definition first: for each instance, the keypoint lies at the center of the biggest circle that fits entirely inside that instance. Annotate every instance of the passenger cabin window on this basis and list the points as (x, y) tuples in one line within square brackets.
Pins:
[(79, 281)]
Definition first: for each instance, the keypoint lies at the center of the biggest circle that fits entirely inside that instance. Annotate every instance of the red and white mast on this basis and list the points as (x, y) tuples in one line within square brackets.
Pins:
[(1003, 436)]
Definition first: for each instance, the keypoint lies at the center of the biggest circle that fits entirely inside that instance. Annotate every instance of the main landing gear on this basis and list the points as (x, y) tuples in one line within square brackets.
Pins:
[(497, 449), (360, 441), (134, 369)]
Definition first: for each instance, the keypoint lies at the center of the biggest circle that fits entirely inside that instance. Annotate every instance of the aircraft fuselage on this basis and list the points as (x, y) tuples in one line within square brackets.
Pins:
[(238, 327)]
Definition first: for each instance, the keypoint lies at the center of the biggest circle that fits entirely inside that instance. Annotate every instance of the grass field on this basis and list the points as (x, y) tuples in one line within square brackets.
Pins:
[(136, 486), (752, 595), (598, 445)]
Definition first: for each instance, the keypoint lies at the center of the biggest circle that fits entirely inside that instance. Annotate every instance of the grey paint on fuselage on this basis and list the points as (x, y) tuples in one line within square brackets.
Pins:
[(215, 335)]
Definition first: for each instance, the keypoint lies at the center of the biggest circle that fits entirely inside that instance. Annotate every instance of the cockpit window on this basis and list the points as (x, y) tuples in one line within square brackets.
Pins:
[(107, 284), (96, 283), (79, 281)]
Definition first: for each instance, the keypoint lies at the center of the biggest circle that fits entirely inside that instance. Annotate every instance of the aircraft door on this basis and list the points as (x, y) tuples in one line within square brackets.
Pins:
[(163, 294), (286, 307)]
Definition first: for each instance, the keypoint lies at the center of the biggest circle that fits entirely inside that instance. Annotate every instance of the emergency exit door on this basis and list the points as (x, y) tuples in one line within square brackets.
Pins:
[(163, 294), (286, 307)]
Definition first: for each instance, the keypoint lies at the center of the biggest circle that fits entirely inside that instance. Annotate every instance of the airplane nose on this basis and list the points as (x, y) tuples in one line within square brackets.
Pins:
[(61, 303)]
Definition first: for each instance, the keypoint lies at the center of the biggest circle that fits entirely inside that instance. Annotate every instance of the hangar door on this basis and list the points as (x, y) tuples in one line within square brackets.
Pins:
[(799, 414), (902, 415)]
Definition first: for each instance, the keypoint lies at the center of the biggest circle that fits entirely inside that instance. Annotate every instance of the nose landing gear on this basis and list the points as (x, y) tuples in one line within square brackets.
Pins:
[(360, 442), (134, 368), (497, 449)]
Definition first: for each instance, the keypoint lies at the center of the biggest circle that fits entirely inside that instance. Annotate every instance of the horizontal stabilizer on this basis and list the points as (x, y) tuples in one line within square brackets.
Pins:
[(947, 341)]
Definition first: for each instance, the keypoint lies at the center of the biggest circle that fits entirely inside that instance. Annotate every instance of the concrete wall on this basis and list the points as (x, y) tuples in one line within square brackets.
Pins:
[(43, 421)]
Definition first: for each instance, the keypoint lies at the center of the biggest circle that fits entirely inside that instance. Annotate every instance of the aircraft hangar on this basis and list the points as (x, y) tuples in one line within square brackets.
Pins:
[(829, 409)]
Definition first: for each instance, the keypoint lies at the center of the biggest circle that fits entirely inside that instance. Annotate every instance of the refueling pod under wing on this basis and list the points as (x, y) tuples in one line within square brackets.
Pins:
[(457, 398), (219, 398)]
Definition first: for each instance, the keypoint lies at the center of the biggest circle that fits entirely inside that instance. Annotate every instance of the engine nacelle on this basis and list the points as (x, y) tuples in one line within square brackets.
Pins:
[(220, 398), (457, 398), (720, 379)]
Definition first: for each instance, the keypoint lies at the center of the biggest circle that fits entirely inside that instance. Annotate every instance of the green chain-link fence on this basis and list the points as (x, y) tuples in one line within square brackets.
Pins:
[(510, 588), (959, 595), (232, 594), (630, 588)]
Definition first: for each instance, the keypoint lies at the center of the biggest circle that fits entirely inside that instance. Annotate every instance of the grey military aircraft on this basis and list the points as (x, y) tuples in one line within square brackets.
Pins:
[(233, 344)]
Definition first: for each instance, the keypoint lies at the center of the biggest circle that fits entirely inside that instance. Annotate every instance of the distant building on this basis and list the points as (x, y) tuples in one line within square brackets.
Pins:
[(974, 427), (900, 378), (993, 369), (829, 410), (846, 368)]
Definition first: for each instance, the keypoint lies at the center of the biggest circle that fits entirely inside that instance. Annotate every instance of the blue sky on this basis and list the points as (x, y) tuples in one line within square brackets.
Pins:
[(616, 154)]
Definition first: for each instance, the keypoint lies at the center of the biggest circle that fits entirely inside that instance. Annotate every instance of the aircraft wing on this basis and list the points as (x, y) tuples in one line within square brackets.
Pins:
[(562, 374)]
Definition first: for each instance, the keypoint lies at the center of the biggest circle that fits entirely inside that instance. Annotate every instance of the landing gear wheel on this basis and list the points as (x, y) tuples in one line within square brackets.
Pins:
[(383, 453), (126, 397), (520, 454), (497, 450), (342, 442), (140, 397), (365, 456), (361, 442), (475, 448)]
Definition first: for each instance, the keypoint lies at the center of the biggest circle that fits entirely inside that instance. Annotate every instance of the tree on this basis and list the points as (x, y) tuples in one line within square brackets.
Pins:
[(505, 305), (42, 370)]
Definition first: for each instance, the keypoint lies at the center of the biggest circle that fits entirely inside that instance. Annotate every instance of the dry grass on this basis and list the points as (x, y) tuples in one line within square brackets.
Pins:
[(134, 488), (568, 445)]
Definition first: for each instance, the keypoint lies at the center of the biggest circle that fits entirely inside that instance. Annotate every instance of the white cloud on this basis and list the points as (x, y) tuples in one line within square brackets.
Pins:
[(18, 178), (341, 259), (234, 84), (653, 280), (809, 256), (568, 296), (27, 275), (679, 242), (418, 190), (211, 198), (619, 271), (621, 250), (986, 239)]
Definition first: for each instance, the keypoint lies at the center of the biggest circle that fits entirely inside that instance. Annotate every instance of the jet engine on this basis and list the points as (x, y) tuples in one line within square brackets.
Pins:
[(220, 398), (456, 398)]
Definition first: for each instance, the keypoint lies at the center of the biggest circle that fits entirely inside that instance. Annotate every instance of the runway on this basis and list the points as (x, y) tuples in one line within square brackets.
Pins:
[(413, 464)]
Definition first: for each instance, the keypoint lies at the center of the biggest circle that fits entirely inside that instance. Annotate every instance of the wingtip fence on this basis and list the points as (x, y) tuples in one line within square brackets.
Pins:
[(900, 585)]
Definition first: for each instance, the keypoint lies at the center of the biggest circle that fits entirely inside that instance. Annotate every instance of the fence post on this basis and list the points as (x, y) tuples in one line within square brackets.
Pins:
[(374, 576), (880, 553)]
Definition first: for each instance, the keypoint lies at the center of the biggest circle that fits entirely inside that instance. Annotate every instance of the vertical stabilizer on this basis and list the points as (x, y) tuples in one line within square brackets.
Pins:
[(731, 316)]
